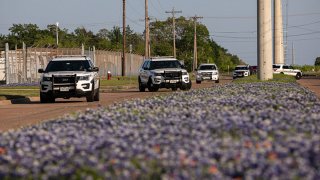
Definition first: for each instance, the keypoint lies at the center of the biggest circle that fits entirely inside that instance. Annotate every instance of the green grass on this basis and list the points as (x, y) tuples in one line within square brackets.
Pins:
[(6, 94), (20, 87), (311, 73), (276, 78)]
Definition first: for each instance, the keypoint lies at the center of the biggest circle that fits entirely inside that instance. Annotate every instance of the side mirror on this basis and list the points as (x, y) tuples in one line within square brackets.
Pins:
[(95, 69), (183, 66), (40, 71)]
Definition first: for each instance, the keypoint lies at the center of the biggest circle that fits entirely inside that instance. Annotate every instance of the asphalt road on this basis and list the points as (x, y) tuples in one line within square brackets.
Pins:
[(14, 116)]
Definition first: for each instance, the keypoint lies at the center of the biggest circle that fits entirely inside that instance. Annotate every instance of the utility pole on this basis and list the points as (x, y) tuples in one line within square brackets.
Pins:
[(293, 58), (195, 53), (124, 39), (264, 40), (173, 12), (278, 33), (57, 33), (147, 32)]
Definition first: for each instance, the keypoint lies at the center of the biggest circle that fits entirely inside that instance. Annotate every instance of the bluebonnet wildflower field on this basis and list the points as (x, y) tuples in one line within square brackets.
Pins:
[(247, 131)]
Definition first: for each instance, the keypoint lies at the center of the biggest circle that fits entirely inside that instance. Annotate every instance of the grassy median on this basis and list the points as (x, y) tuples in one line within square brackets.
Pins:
[(15, 91)]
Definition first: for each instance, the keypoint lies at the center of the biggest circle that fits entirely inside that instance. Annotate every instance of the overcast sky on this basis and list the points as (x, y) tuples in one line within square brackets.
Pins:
[(232, 23)]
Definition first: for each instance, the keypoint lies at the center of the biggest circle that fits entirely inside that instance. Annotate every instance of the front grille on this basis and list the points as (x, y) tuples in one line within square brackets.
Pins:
[(206, 74), (64, 79), (172, 75)]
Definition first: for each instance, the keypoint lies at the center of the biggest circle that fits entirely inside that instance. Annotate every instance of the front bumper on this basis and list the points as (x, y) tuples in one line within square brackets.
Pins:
[(240, 74), (66, 90), (211, 77)]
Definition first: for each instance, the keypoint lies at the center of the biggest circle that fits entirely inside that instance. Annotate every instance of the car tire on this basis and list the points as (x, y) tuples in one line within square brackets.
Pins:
[(198, 82), (298, 76), (97, 95), (43, 98), (90, 96), (142, 88), (152, 87), (217, 81)]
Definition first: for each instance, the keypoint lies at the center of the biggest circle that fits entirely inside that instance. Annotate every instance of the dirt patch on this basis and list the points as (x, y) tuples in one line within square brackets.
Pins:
[(311, 83)]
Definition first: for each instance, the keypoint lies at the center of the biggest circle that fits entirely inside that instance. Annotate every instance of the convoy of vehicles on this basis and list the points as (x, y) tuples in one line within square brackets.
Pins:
[(69, 76), (207, 72), (76, 76)]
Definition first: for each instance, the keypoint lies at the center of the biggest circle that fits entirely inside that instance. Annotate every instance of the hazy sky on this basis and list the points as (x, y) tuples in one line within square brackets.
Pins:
[(232, 23)]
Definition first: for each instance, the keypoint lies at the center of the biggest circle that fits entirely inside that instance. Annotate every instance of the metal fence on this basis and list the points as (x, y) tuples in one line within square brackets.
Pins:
[(21, 65)]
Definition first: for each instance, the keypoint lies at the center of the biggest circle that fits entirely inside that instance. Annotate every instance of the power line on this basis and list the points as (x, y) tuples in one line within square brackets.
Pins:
[(137, 11), (316, 22), (254, 17), (295, 35), (234, 37), (154, 7)]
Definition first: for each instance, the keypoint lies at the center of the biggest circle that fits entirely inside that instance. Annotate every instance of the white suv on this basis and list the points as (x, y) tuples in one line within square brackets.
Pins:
[(286, 69), (162, 72), (241, 71), (207, 72), (69, 76)]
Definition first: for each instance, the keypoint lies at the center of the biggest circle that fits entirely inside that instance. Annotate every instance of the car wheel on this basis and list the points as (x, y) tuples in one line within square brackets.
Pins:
[(90, 96), (43, 98), (51, 100), (198, 82), (97, 95), (217, 81), (298, 76), (186, 86), (142, 88), (152, 87)]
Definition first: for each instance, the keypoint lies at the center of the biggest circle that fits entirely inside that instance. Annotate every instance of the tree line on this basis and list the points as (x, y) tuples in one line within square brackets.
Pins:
[(111, 39)]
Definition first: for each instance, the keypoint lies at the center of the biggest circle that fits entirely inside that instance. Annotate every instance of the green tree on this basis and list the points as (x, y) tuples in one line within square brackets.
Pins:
[(26, 33), (115, 37), (317, 62)]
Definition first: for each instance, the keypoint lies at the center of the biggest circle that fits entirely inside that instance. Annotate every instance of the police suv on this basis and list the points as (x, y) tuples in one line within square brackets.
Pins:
[(69, 76), (207, 72), (163, 72), (286, 69), (241, 71)]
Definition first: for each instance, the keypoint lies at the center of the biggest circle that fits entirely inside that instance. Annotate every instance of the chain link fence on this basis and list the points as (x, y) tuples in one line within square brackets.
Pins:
[(21, 65)]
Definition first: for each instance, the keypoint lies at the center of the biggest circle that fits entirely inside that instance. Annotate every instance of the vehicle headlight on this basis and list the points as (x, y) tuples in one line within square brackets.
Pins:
[(83, 78), (46, 78), (215, 73), (184, 73)]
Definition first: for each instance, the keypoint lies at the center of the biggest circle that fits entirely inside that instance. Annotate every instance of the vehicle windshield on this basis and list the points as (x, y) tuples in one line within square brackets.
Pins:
[(276, 67), (68, 66), (287, 67), (164, 64), (242, 68), (207, 67)]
